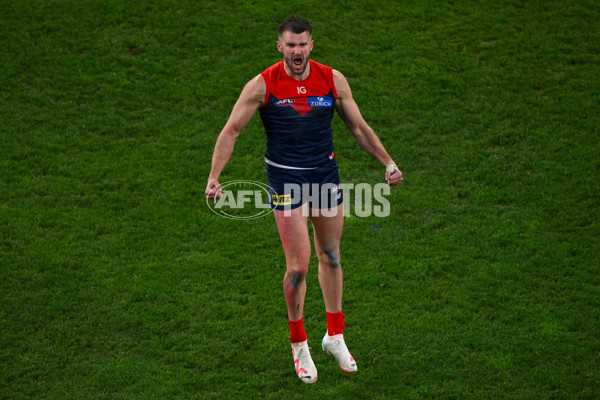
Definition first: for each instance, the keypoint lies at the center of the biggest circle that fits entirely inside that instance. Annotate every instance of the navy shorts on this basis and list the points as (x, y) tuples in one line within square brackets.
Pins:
[(290, 188)]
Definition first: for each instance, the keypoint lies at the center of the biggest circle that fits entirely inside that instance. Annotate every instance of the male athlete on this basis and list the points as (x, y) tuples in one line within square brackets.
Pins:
[(296, 98)]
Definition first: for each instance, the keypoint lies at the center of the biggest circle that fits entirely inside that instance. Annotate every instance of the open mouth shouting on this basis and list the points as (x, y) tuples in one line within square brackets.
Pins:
[(298, 64)]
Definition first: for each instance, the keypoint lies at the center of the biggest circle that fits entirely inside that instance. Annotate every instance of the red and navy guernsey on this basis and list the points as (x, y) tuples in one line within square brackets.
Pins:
[(297, 116)]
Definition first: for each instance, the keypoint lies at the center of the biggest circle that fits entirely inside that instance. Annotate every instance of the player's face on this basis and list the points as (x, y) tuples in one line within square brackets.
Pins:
[(296, 48)]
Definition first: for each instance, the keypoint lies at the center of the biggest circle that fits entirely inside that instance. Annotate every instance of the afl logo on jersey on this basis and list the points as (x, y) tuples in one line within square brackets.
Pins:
[(320, 101), (285, 102)]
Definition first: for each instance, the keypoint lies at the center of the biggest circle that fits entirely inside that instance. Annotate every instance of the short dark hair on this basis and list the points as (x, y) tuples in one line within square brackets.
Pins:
[(295, 24)]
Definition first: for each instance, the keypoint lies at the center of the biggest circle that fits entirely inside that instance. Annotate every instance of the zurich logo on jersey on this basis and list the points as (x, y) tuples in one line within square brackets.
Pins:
[(320, 101)]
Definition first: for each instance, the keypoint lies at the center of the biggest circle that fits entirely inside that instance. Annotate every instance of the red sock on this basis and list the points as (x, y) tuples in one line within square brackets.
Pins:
[(297, 333), (335, 323)]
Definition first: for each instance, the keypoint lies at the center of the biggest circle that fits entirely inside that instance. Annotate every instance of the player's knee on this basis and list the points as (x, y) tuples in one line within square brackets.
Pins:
[(294, 277), (330, 257)]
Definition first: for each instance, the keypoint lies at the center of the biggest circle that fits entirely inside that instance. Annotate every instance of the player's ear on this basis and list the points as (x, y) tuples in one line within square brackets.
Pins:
[(279, 46), (312, 43)]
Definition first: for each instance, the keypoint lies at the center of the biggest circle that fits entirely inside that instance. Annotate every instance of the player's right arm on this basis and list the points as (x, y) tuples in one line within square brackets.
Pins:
[(250, 100)]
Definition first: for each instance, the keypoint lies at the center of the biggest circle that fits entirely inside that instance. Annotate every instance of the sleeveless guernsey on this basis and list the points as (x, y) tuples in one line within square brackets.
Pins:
[(297, 117)]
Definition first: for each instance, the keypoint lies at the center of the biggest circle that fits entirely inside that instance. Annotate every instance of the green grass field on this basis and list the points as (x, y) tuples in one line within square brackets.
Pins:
[(118, 282)]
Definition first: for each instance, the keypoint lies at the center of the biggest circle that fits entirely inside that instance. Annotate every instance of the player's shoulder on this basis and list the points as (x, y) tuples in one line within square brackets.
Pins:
[(324, 70), (337, 74), (258, 80), (339, 80), (256, 88)]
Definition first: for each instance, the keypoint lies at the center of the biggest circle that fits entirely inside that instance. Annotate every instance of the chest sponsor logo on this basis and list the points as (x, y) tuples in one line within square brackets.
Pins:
[(320, 101)]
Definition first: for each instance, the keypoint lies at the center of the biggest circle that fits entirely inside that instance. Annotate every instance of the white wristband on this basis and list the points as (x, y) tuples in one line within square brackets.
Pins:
[(390, 167)]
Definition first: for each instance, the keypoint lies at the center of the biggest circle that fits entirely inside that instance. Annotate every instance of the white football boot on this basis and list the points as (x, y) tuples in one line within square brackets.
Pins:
[(336, 346), (303, 363)]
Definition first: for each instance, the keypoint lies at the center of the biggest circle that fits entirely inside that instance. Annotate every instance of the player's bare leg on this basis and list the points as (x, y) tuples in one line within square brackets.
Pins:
[(293, 231), (328, 232)]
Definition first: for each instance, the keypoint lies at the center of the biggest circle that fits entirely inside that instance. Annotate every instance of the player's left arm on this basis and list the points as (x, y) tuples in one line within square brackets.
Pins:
[(364, 135)]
